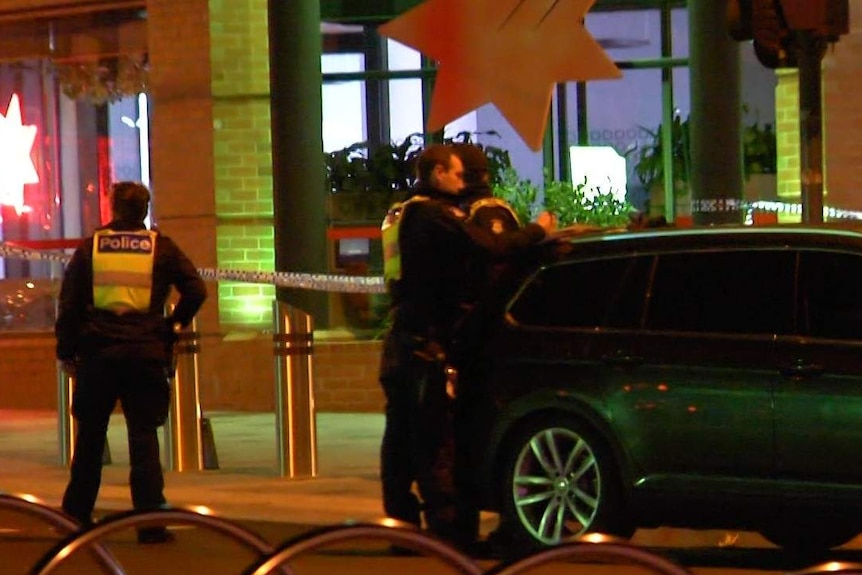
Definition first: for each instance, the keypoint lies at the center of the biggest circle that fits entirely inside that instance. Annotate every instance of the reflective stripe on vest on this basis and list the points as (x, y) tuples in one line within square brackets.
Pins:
[(389, 234), (123, 270)]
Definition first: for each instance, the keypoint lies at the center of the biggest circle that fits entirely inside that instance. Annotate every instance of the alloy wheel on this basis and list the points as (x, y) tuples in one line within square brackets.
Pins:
[(557, 485)]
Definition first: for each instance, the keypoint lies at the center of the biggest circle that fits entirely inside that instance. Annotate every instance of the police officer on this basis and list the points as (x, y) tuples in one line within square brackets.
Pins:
[(112, 336), (472, 406), (477, 198), (433, 249)]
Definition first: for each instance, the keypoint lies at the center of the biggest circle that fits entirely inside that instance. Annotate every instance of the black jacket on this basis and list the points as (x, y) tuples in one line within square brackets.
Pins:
[(83, 331), (439, 251), (489, 215)]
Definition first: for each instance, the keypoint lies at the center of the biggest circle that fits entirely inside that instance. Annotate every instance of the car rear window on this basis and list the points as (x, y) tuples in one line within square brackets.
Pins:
[(595, 293), (749, 292)]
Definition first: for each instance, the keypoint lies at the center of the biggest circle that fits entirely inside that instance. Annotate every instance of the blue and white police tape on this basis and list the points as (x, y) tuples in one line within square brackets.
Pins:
[(319, 282)]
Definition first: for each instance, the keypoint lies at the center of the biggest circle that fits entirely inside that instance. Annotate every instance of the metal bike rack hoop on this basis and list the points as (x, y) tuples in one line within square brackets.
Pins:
[(585, 550), (29, 505), (119, 521), (390, 530)]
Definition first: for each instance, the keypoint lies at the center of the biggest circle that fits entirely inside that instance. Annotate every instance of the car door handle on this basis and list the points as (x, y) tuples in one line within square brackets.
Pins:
[(621, 358), (802, 369)]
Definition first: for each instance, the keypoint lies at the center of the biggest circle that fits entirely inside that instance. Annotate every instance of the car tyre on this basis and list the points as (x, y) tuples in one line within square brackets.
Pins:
[(560, 480)]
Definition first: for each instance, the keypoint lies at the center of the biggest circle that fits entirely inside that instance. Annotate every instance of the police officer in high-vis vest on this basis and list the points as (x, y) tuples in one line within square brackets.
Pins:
[(113, 337), (429, 248), (473, 404)]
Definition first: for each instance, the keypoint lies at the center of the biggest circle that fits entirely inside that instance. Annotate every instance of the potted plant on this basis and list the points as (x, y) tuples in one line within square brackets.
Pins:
[(649, 166), (759, 150), (758, 154), (364, 180), (570, 203)]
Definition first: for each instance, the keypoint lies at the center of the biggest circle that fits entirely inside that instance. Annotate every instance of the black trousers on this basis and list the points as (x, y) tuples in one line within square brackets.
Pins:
[(472, 415), (417, 439), (144, 394)]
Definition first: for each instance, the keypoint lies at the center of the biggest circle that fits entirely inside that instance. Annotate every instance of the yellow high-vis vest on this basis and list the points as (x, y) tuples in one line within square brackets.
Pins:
[(123, 270), (389, 236)]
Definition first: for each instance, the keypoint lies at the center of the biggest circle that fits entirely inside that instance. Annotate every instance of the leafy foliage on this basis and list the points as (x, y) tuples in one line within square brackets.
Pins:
[(385, 168), (391, 167), (521, 195), (758, 147), (759, 152), (104, 80), (649, 166), (571, 204)]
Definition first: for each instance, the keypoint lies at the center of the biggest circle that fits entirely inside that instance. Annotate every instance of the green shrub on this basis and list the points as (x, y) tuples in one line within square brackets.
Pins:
[(571, 204)]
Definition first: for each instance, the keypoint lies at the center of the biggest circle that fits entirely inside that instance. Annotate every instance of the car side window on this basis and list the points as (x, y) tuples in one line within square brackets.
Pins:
[(596, 293), (748, 292), (831, 306)]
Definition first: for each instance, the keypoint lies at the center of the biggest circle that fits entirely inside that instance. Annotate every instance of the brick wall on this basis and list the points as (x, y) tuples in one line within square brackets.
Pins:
[(344, 373), (842, 121), (28, 372), (243, 156), (787, 134), (842, 82)]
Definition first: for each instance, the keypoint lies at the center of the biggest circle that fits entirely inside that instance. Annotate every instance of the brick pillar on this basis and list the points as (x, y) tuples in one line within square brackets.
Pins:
[(243, 157), (842, 83), (182, 141), (842, 119), (788, 184), (182, 134)]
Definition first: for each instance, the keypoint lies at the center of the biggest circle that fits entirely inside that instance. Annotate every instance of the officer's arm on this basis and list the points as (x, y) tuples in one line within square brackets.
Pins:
[(188, 282), (505, 243), (74, 301)]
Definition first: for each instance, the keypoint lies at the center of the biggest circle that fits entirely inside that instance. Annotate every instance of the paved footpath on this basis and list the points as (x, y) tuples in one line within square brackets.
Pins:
[(247, 485)]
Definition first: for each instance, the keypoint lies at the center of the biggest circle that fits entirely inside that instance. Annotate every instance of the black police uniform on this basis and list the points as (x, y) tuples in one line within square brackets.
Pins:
[(121, 357), (438, 247), (472, 408)]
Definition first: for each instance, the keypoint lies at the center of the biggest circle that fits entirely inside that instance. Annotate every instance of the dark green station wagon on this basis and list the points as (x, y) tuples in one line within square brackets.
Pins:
[(700, 378)]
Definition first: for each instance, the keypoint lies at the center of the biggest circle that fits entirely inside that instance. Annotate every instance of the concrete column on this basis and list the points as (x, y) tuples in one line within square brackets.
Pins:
[(716, 144), (297, 148)]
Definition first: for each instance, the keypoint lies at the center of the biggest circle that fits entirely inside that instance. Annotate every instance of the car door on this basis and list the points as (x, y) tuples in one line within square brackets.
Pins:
[(699, 413), (818, 402), (568, 326)]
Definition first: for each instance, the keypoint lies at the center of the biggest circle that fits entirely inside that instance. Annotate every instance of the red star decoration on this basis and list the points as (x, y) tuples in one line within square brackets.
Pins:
[(507, 52)]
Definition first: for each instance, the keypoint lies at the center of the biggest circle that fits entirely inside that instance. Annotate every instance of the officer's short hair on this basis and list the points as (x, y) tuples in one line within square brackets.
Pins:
[(130, 201), (430, 157), (476, 169)]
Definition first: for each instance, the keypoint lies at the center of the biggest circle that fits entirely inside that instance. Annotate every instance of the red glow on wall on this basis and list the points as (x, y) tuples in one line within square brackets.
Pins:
[(104, 170)]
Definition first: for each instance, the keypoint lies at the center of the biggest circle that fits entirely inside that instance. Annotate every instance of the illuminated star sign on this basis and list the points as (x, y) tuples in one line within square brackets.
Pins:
[(16, 165), (507, 52)]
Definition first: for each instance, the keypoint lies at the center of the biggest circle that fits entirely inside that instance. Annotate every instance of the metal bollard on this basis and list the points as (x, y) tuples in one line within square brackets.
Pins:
[(66, 427), (185, 448), (296, 425)]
